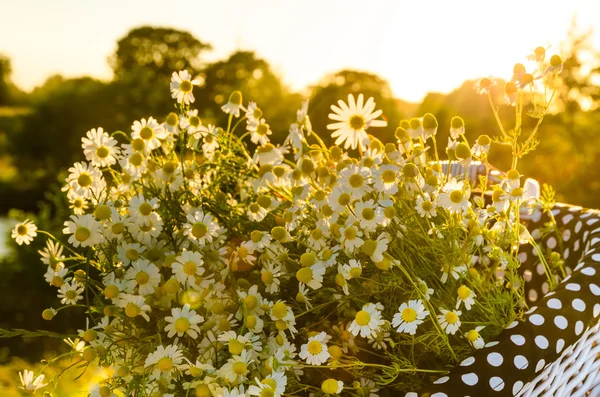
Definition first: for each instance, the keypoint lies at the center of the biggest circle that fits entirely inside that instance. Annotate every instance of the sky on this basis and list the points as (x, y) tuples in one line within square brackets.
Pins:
[(418, 46)]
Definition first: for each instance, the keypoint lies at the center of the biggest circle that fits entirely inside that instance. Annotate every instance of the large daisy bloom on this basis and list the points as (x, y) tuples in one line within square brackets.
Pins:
[(183, 321), (70, 293), (455, 198), (150, 131), (84, 231), (410, 315), (367, 321), (187, 266), (164, 360), (466, 296), (182, 85), (352, 120), (475, 339), (144, 275), (201, 228), (99, 148), (24, 232), (315, 350), (449, 320), (28, 383), (84, 180)]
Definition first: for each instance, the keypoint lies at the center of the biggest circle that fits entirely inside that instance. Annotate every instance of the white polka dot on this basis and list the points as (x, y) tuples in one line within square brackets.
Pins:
[(596, 310), (536, 234), (561, 322), (594, 240), (595, 289), (411, 394), (551, 243), (496, 383), (531, 310), (441, 380), (554, 304), (545, 287), (536, 319), (560, 344), (578, 305), (540, 365), (470, 379), (532, 295), (578, 327), (540, 269), (439, 394), (467, 361), (567, 218), (573, 287), (576, 245), (512, 325), (518, 340), (541, 342), (521, 362), (589, 271), (522, 257), (495, 359), (596, 257), (566, 235), (517, 387), (491, 344), (578, 226), (592, 221), (566, 253), (527, 275)]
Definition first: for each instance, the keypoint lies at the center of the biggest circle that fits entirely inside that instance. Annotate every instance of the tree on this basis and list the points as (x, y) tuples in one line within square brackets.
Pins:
[(338, 85)]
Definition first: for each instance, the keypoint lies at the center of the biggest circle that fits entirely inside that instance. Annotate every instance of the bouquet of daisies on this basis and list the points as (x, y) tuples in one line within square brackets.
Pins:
[(365, 268)]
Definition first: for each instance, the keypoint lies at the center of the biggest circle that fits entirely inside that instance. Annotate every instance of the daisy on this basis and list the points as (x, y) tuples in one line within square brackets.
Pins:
[(302, 295), (99, 148), (341, 278), (465, 295), (351, 238), (376, 248), (29, 384), (315, 350), (234, 104), (385, 179), (182, 85), (457, 127), (311, 275), (77, 203), (70, 293), (84, 180), (146, 230), (410, 315), (129, 252), (253, 113), (57, 276), (140, 208), (475, 339), (171, 123), (425, 206), (332, 386), (144, 275), (183, 321), (355, 180), (449, 320), (134, 164), (210, 143), (193, 124), (482, 147), (284, 315), (201, 228), (236, 368), (259, 132), (352, 120), (134, 305), (367, 321), (455, 197), (164, 361), (187, 266), (150, 131), (369, 214), (268, 154), (84, 231), (24, 232), (269, 275)]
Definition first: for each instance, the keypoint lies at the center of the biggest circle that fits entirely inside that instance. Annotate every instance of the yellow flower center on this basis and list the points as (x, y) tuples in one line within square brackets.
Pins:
[(356, 180), (270, 382), (362, 318), (138, 145), (146, 133), (145, 209), (409, 315), (279, 310), (315, 347), (388, 176), (185, 86), (330, 386), (172, 119), (251, 322), (355, 272), (451, 318), (304, 275), (112, 291), (132, 254), (118, 228), (267, 392), (136, 159), (102, 152), (57, 281), (427, 206), (316, 234), (169, 167), (132, 310), (368, 214), (357, 122), (182, 324), (464, 292), (71, 294), (456, 196), (267, 277), (195, 121), (199, 230), (165, 364), (142, 278), (84, 180), (239, 368), (472, 335), (190, 268), (82, 234), (235, 347), (350, 233), (22, 230), (251, 302), (262, 129)]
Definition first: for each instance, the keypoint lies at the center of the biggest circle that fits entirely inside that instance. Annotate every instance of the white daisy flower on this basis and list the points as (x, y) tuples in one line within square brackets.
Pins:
[(315, 350), (259, 132), (385, 179), (150, 131), (52, 253), (57, 276), (369, 214), (187, 266), (352, 120), (201, 228), (355, 180), (171, 123), (134, 305), (144, 275), (449, 320), (269, 275), (351, 238), (268, 154), (85, 180), (455, 197), (465, 295), (210, 143), (367, 321), (99, 148), (129, 252), (183, 321), (140, 208), (193, 124), (376, 248), (311, 275), (147, 230), (425, 206), (164, 360), (234, 104), (410, 315), (236, 368), (29, 384), (475, 339), (24, 232), (332, 386), (84, 231), (134, 164), (182, 86), (70, 293)]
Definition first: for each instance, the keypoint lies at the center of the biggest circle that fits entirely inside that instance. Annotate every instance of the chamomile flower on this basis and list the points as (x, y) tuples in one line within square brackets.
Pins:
[(182, 86), (210, 143), (268, 154), (449, 320), (236, 368), (150, 131), (332, 386), (24, 232), (385, 179), (147, 229), (57, 276), (187, 267), (164, 361), (99, 148), (425, 206), (183, 321), (134, 305), (70, 293), (269, 275), (367, 321), (259, 132), (410, 315), (369, 214), (193, 124), (234, 104), (315, 350), (140, 208), (84, 231), (143, 275), (52, 253), (84, 180), (455, 197), (355, 180), (311, 275), (201, 228), (352, 120), (465, 295), (29, 383), (351, 238), (475, 339)]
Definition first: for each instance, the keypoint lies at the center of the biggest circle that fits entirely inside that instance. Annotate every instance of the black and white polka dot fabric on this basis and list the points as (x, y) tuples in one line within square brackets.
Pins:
[(555, 321)]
